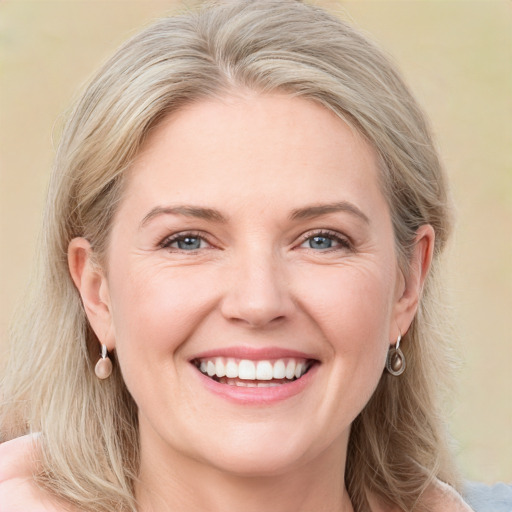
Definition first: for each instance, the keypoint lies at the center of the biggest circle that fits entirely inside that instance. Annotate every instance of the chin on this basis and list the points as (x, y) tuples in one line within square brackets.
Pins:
[(262, 453), (256, 463)]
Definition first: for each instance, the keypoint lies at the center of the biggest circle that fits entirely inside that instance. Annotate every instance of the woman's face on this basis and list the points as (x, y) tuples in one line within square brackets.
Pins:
[(253, 239)]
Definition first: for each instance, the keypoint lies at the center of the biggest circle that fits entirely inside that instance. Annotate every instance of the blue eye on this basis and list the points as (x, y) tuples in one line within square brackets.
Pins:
[(324, 241), (189, 243), (184, 242), (320, 242)]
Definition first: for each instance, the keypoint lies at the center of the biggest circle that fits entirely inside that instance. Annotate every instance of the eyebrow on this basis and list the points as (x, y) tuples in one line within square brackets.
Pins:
[(317, 210), (197, 212), (210, 214)]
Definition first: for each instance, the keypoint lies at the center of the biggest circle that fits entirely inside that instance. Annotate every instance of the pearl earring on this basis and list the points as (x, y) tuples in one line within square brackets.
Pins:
[(395, 361), (103, 367)]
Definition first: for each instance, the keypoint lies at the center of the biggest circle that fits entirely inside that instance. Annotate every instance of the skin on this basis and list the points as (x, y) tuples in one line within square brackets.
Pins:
[(256, 280)]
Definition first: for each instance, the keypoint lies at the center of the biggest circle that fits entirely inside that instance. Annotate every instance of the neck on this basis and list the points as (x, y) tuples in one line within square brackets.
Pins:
[(178, 483)]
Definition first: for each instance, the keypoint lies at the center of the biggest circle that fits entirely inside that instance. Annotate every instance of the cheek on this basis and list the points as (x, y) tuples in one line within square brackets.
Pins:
[(154, 313), (352, 306), (351, 302), (156, 309)]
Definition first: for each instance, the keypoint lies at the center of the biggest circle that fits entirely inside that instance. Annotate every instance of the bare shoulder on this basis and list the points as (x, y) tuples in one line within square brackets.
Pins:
[(439, 497), (17, 457), (443, 497), (18, 491)]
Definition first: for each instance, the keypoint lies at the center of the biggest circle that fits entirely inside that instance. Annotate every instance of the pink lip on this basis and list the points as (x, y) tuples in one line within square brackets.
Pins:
[(253, 354), (256, 395)]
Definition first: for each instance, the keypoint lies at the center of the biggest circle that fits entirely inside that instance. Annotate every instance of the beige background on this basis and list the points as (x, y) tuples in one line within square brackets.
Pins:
[(457, 55)]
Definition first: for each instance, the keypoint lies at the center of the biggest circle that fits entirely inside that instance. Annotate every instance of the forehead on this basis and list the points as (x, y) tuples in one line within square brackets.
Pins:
[(276, 147)]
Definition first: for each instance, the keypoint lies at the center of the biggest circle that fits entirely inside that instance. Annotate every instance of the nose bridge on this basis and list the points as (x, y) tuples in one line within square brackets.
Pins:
[(257, 291)]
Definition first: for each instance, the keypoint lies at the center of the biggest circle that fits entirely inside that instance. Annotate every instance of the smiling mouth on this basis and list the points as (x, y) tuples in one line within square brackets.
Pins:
[(249, 373)]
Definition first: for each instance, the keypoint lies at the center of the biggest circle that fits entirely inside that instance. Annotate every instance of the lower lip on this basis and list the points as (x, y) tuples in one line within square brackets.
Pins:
[(256, 395)]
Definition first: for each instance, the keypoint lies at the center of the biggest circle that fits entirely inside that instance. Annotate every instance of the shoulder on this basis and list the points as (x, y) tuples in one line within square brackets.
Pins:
[(439, 497), (18, 491), (17, 456), (442, 497)]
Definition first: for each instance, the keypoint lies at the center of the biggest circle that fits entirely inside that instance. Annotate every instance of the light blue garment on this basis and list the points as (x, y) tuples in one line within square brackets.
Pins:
[(485, 498)]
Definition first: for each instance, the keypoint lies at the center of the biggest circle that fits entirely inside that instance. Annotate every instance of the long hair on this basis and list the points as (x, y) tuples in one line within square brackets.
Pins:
[(89, 432)]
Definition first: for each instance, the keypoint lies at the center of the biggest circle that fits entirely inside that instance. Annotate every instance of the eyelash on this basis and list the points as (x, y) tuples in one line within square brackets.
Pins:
[(167, 242), (343, 242)]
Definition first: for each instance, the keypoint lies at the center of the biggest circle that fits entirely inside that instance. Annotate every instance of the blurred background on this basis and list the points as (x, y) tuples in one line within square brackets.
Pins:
[(456, 55)]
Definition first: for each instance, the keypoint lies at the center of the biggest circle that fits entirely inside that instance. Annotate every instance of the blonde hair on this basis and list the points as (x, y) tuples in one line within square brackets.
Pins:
[(89, 441)]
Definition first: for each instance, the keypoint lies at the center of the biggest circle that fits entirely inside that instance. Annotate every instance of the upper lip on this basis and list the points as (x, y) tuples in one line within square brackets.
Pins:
[(253, 353)]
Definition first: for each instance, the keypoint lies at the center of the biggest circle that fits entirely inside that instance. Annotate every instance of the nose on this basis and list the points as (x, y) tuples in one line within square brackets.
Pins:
[(257, 293)]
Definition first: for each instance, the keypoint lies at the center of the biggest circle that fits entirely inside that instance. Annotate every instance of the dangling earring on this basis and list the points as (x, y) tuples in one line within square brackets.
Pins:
[(395, 362), (103, 367)]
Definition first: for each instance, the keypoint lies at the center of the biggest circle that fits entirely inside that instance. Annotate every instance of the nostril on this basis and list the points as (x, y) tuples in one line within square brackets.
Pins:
[(256, 294), (256, 321)]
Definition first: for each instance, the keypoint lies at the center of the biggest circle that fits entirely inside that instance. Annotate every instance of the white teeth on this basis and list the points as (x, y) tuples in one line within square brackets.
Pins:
[(298, 369), (264, 370), (279, 371), (247, 384), (220, 370), (247, 370), (231, 369), (290, 369)]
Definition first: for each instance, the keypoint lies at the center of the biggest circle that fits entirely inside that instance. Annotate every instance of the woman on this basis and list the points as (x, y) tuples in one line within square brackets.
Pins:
[(239, 297)]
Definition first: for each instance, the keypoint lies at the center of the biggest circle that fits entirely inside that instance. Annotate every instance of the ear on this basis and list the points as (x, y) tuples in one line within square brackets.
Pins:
[(92, 285), (411, 286)]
